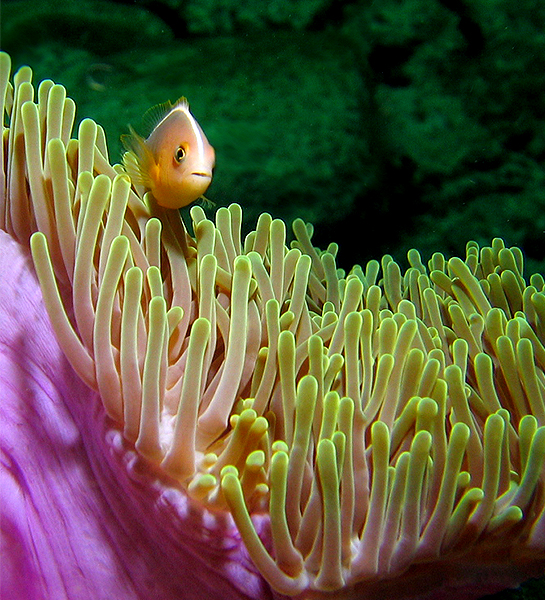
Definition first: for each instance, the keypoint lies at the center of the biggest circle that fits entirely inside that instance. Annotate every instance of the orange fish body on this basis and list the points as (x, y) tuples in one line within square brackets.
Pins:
[(176, 161)]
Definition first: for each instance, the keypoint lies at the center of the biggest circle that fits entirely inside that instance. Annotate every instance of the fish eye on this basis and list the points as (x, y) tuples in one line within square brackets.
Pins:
[(180, 154)]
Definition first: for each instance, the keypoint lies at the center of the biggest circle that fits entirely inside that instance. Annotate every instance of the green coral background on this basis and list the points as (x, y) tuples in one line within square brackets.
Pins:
[(388, 124)]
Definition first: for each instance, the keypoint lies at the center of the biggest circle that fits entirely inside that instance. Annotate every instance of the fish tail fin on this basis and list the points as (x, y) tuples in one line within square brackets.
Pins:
[(138, 158)]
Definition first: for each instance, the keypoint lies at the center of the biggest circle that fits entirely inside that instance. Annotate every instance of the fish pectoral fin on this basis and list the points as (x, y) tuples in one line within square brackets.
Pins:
[(130, 162), (138, 160)]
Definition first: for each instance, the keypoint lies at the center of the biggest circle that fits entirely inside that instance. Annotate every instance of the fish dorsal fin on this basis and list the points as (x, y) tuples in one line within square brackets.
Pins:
[(154, 115)]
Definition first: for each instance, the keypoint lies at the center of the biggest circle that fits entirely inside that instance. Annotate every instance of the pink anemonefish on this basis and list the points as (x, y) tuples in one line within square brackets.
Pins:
[(176, 161)]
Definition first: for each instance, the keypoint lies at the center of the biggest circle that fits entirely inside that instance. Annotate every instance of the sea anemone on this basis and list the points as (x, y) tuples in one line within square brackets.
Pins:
[(372, 434)]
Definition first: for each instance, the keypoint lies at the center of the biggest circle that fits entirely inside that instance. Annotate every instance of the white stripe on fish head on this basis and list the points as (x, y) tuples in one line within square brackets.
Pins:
[(195, 128)]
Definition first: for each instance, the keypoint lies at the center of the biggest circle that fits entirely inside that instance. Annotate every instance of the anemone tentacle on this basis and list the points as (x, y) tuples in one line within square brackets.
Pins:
[(388, 421)]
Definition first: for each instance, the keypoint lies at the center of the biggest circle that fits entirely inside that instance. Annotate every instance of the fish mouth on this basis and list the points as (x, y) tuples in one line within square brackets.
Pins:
[(202, 174), (197, 183)]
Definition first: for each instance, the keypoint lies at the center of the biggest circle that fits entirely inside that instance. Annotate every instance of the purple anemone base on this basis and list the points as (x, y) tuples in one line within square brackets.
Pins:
[(82, 517)]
